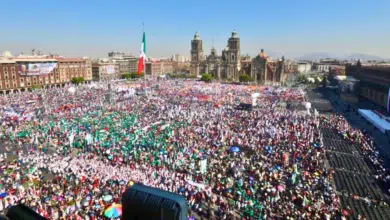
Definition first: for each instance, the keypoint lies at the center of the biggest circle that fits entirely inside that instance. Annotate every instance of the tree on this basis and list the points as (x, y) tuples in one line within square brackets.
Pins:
[(182, 76), (206, 77), (324, 82), (126, 76), (134, 75), (34, 87), (317, 80), (302, 78), (77, 80), (244, 78)]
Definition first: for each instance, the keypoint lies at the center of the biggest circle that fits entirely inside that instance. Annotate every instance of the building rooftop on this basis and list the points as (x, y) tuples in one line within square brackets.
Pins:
[(33, 59), (6, 61), (63, 59)]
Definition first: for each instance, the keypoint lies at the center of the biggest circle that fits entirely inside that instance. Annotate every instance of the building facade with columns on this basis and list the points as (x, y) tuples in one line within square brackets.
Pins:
[(226, 66)]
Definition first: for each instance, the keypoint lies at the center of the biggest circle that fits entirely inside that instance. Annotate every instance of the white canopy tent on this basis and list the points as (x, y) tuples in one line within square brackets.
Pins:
[(379, 122)]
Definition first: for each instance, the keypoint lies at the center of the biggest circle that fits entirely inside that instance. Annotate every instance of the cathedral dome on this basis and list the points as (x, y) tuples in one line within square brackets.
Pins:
[(213, 51), (234, 34), (196, 36), (262, 54)]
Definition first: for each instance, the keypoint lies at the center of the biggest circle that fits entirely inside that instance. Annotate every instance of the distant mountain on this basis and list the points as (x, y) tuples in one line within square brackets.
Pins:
[(364, 57), (274, 54), (316, 56), (354, 56)]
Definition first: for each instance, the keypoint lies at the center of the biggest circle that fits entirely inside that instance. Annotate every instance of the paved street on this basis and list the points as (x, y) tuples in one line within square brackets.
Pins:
[(353, 172), (381, 140)]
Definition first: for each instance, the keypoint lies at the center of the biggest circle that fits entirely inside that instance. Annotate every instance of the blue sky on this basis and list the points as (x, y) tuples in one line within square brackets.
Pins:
[(292, 28)]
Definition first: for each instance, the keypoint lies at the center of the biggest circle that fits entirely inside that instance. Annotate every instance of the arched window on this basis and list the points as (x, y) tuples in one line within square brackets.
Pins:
[(194, 58), (233, 57)]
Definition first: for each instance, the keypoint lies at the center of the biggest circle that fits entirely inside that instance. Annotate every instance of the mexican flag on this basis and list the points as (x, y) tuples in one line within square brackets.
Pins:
[(142, 56)]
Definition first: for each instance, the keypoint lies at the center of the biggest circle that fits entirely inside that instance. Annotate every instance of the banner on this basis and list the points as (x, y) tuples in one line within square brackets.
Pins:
[(109, 69), (36, 69), (203, 166)]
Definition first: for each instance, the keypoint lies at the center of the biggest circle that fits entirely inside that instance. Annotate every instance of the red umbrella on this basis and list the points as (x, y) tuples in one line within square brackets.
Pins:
[(345, 212)]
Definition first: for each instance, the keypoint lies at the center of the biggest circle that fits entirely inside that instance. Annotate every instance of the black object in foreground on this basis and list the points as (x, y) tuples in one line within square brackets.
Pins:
[(142, 202), (22, 212)]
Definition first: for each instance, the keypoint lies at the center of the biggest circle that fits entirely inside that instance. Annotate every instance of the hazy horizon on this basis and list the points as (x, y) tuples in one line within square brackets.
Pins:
[(293, 29)]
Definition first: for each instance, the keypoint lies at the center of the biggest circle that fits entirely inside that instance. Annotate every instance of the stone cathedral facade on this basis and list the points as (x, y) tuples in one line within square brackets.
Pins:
[(226, 66), (261, 68)]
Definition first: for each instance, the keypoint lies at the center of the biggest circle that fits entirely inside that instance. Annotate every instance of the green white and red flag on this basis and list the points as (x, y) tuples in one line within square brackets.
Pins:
[(142, 56)]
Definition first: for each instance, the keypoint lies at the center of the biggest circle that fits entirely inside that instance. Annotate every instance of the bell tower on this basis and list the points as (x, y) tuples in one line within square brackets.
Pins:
[(196, 55), (233, 56)]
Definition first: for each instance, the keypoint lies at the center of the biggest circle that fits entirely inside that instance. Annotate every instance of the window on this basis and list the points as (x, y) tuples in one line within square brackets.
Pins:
[(5, 69), (29, 84), (21, 79)]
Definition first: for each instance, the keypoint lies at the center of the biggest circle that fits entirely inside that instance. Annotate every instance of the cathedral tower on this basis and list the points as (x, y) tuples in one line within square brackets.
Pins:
[(196, 55), (233, 56)]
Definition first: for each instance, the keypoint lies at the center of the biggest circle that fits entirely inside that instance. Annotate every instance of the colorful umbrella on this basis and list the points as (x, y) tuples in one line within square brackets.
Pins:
[(114, 211), (234, 149)]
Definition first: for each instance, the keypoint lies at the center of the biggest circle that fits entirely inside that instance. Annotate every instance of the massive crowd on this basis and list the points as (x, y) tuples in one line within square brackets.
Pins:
[(71, 152), (363, 140)]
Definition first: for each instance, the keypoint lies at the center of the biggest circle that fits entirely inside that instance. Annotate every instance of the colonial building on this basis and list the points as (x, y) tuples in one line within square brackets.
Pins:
[(73, 67), (374, 81), (226, 66), (105, 69), (9, 78), (304, 67), (267, 71), (180, 67), (156, 68), (326, 65), (132, 63), (125, 63), (24, 72)]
